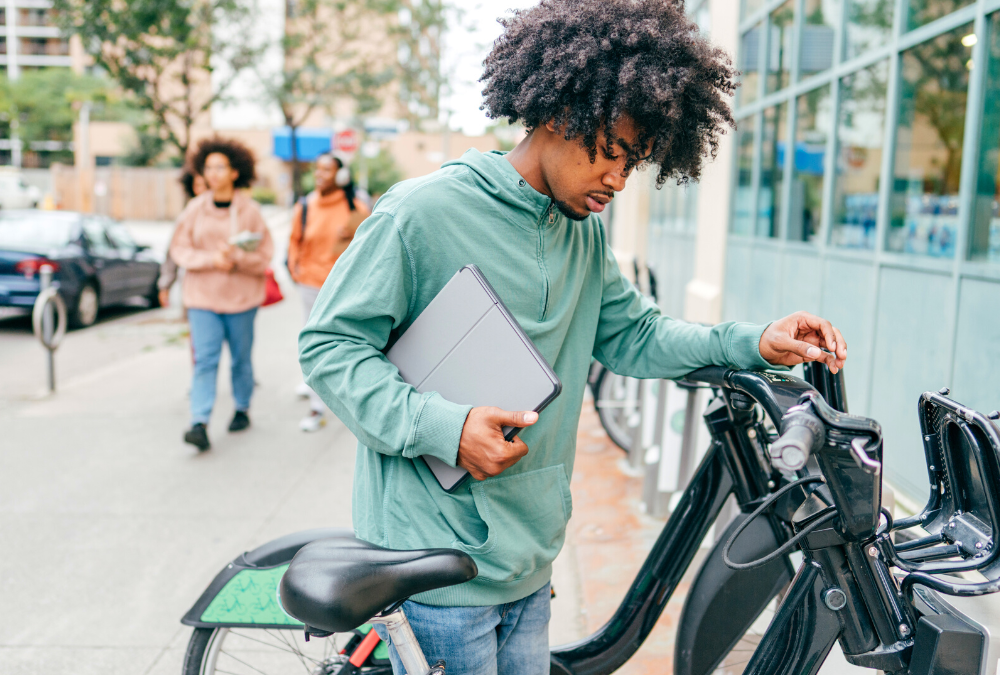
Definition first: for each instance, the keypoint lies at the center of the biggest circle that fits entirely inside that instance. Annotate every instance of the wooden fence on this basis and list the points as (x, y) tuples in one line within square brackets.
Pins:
[(121, 192)]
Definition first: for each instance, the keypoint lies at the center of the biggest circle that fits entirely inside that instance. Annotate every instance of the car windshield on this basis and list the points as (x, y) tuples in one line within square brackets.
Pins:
[(35, 230)]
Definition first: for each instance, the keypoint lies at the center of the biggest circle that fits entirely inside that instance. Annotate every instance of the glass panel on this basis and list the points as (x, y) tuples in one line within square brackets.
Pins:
[(816, 52), (749, 58), (743, 200), (779, 62), (751, 6), (860, 139), (811, 131), (933, 92), (869, 26), (925, 11), (772, 170), (984, 241)]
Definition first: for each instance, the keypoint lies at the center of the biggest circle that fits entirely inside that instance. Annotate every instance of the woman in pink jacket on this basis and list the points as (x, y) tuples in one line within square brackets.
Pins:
[(224, 247)]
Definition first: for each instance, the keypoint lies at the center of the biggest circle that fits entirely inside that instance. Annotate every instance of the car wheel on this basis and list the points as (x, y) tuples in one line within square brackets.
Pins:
[(84, 311)]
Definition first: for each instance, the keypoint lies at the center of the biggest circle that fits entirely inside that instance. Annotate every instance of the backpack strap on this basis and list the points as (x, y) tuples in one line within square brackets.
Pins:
[(304, 203)]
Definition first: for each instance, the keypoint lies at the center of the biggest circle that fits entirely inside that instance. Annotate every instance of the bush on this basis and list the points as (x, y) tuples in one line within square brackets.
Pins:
[(264, 195)]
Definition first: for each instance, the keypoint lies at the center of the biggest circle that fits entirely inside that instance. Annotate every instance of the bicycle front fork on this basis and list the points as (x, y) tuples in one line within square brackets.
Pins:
[(405, 642)]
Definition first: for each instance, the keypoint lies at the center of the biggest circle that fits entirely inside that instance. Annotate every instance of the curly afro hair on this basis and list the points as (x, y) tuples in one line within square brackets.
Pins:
[(240, 158), (583, 64)]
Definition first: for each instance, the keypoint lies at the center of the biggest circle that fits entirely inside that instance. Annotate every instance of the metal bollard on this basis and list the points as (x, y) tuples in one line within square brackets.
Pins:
[(655, 501), (47, 326), (637, 453)]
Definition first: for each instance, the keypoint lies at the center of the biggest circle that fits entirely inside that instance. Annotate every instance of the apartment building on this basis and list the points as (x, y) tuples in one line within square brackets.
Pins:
[(29, 38)]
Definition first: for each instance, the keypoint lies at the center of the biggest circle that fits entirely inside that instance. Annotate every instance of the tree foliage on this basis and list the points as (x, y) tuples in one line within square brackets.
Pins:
[(41, 105), (162, 53), (336, 51)]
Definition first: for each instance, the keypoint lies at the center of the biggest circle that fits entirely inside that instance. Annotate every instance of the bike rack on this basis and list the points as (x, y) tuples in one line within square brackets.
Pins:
[(49, 329)]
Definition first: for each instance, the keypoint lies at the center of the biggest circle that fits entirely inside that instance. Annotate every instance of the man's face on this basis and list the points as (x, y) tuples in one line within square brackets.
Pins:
[(325, 175), (579, 187)]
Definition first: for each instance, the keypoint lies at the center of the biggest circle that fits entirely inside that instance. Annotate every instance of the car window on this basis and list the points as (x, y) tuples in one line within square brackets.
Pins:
[(36, 230), (121, 238), (97, 238)]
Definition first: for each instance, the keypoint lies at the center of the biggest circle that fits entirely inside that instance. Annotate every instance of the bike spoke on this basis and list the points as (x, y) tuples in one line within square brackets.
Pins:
[(238, 660), (282, 646)]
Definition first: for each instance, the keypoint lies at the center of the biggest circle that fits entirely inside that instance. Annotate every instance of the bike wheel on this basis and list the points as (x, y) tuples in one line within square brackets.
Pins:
[(617, 406), (261, 651)]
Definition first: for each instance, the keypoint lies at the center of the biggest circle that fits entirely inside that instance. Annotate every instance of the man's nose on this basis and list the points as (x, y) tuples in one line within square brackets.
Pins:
[(615, 180)]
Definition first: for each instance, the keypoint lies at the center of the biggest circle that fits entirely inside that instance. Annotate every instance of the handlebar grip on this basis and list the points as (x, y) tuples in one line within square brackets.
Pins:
[(803, 433)]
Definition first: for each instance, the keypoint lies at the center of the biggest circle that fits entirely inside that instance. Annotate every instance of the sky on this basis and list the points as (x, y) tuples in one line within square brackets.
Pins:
[(465, 47)]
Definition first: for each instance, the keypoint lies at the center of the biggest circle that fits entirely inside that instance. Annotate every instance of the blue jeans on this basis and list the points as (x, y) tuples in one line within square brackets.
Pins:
[(208, 331), (510, 639)]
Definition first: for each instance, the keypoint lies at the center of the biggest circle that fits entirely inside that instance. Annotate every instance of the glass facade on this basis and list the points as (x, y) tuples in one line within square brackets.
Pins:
[(860, 142), (774, 139), (866, 189), (870, 157)]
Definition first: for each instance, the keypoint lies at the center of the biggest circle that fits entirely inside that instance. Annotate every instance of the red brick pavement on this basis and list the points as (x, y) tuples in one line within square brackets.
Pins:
[(612, 538)]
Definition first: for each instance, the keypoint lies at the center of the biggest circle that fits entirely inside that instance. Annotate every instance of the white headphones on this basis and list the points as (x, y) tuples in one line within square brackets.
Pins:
[(343, 177)]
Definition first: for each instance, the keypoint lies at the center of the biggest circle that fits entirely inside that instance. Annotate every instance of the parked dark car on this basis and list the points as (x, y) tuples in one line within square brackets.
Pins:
[(96, 261)]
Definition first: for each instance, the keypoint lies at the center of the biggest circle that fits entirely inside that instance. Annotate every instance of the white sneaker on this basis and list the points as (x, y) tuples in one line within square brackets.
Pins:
[(303, 390), (313, 422)]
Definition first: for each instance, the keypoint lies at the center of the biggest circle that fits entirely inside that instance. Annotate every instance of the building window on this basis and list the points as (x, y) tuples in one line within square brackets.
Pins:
[(984, 239), (743, 203), (748, 65), (869, 26), (920, 12), (815, 118), (860, 140), (774, 140), (779, 48), (816, 53), (934, 83)]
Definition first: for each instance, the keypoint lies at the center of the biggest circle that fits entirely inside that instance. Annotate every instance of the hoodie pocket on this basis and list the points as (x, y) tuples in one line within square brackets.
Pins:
[(525, 516)]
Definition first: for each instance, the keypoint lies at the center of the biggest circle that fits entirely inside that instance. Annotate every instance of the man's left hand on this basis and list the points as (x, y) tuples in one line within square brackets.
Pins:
[(803, 337)]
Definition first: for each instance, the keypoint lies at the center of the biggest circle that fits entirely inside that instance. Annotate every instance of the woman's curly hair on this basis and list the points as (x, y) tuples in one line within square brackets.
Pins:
[(240, 158), (583, 64)]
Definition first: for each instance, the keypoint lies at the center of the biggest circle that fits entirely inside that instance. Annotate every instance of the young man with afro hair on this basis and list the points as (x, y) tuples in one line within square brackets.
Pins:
[(603, 87)]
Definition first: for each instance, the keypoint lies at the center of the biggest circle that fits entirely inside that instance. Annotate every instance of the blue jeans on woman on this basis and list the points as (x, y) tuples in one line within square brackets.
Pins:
[(208, 331), (508, 639)]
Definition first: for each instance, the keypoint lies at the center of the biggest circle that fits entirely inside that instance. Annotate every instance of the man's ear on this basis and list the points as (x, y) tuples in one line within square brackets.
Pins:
[(551, 126)]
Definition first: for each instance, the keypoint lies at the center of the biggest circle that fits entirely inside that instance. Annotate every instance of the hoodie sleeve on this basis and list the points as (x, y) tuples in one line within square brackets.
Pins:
[(635, 339), (367, 295)]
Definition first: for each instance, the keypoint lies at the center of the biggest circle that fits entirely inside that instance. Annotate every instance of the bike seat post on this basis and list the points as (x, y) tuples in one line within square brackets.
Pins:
[(402, 638)]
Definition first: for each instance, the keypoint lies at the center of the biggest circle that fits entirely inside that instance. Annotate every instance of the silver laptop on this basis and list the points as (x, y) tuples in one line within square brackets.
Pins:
[(468, 347)]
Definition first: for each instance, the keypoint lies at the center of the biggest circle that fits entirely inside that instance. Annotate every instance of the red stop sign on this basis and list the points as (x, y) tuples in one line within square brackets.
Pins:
[(347, 141)]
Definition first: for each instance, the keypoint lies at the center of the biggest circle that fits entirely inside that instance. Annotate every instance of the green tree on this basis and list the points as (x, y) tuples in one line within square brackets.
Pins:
[(380, 172), (161, 52), (329, 54), (40, 107), (326, 56)]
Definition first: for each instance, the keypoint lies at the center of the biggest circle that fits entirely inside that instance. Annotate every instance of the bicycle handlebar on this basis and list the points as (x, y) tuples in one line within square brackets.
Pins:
[(803, 434)]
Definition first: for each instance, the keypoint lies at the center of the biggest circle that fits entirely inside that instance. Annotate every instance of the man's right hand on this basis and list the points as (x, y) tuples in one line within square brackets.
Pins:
[(483, 451)]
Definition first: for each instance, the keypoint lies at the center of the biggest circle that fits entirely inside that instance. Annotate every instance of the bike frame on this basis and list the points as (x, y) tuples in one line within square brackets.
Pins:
[(730, 467)]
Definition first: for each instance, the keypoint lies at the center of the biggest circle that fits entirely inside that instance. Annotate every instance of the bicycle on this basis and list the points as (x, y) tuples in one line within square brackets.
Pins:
[(815, 488)]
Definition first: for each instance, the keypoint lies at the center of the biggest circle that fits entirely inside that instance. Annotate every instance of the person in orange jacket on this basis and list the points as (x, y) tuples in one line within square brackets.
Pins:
[(323, 224)]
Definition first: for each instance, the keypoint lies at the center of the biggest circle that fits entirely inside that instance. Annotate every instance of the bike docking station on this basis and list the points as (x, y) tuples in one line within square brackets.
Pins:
[(48, 321)]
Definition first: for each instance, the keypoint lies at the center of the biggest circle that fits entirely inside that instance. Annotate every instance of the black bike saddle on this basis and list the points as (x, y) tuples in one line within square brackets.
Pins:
[(337, 584)]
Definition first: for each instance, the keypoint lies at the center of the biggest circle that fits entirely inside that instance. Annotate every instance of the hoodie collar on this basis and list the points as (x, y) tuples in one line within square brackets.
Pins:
[(505, 182)]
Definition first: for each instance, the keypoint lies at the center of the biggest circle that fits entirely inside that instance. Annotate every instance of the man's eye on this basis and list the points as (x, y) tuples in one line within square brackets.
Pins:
[(608, 154)]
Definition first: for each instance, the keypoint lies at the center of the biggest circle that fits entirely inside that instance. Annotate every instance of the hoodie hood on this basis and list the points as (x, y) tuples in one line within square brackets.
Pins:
[(499, 178)]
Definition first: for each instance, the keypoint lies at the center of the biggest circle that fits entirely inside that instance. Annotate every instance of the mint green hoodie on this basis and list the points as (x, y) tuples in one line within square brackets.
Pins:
[(561, 282)]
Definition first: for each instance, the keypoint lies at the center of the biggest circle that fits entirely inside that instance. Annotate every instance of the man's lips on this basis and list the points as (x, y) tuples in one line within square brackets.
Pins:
[(596, 203)]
